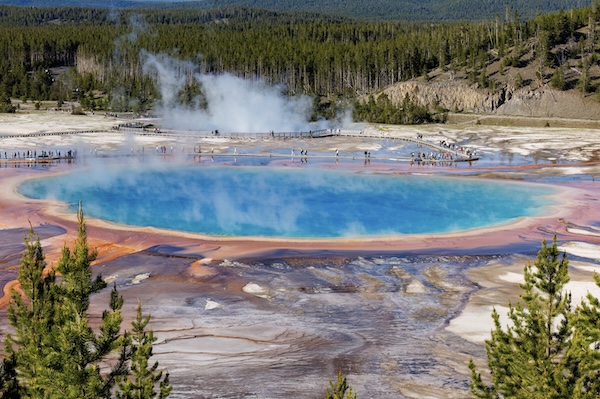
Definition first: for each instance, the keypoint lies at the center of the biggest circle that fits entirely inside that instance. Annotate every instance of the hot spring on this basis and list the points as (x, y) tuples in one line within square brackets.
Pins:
[(286, 202)]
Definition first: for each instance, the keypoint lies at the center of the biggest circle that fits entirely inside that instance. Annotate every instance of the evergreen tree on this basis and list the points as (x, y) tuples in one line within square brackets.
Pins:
[(141, 383), (80, 352), (584, 83), (585, 350), (29, 351), (6, 105), (529, 359), (9, 386), (558, 79), (340, 390), (518, 81), (54, 353)]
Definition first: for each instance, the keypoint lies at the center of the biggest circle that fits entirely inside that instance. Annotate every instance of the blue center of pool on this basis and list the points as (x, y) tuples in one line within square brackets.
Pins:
[(273, 202)]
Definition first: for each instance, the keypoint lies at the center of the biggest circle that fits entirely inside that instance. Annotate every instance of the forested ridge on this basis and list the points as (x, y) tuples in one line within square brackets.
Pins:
[(328, 57), (400, 10), (374, 10)]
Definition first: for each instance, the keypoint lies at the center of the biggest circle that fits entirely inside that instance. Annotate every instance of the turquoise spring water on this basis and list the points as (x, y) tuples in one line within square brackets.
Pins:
[(282, 202)]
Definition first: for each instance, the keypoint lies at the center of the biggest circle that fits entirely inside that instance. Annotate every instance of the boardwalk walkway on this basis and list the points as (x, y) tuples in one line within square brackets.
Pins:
[(453, 155), (43, 134), (457, 156)]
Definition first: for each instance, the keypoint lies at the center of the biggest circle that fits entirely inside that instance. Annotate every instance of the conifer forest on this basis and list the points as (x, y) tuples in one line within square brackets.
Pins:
[(96, 56)]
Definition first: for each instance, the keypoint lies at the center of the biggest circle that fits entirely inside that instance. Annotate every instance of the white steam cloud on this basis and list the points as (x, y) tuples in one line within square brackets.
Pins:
[(232, 103)]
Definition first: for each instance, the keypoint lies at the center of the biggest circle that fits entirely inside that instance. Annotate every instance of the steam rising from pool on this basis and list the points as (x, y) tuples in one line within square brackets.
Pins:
[(266, 201), (229, 103)]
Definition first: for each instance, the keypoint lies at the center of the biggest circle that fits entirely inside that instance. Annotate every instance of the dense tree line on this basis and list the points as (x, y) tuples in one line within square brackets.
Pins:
[(323, 56), (382, 110), (375, 10), (37, 16)]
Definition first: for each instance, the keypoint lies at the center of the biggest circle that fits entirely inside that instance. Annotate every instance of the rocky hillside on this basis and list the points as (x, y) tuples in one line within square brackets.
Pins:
[(462, 97), (524, 90)]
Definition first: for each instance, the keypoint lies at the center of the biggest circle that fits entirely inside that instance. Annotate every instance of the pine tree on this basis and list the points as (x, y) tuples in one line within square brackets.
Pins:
[(9, 386), (585, 350), (558, 79), (5, 104), (340, 390), (79, 351), (529, 359), (75, 269), (141, 383), (33, 318), (54, 353)]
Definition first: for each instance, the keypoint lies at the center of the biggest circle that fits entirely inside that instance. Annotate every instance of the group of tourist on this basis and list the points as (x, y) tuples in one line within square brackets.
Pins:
[(446, 152), (437, 164), (31, 154), (163, 149), (303, 152), (432, 156), (133, 125), (454, 147)]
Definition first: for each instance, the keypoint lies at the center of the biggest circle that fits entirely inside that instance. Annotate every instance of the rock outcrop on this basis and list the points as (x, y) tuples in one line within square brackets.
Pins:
[(550, 103), (452, 95), (459, 96)]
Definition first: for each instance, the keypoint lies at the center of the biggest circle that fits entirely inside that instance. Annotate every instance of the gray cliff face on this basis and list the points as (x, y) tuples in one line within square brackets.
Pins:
[(550, 103), (455, 96), (459, 96)]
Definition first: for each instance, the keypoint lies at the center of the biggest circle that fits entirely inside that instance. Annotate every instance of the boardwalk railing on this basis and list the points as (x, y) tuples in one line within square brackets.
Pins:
[(41, 134), (230, 135), (311, 134)]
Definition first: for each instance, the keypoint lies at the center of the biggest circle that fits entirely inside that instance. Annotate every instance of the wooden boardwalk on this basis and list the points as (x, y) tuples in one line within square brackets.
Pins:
[(311, 134), (305, 158), (455, 156), (43, 134)]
